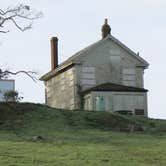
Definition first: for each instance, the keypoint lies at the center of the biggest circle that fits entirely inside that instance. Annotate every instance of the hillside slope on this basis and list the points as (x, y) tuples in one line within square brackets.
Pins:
[(37, 117), (37, 135), (27, 115)]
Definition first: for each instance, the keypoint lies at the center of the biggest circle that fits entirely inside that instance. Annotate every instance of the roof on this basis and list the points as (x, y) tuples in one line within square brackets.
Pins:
[(114, 87), (73, 59), (58, 70)]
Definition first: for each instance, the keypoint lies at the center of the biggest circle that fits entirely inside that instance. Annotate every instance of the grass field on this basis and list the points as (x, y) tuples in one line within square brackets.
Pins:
[(77, 138)]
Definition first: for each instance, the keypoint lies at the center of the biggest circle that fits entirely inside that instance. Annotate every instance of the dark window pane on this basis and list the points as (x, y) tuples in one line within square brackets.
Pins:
[(139, 112)]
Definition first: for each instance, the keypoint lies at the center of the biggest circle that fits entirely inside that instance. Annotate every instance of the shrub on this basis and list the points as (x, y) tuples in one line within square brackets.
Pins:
[(12, 96)]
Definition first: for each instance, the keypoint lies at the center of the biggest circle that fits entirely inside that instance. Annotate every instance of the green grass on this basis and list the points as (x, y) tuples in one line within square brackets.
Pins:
[(75, 138)]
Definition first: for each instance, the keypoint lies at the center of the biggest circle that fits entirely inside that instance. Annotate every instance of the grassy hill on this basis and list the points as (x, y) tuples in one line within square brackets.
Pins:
[(37, 135)]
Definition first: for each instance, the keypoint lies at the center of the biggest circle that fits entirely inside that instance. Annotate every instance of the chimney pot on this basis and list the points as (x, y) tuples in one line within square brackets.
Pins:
[(106, 29)]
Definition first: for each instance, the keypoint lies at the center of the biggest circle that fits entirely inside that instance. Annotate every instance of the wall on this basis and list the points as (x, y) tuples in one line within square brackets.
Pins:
[(60, 90), (108, 61), (88, 102), (115, 101)]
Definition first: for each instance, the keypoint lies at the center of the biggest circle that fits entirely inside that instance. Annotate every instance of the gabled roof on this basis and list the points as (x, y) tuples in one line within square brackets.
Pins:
[(116, 41), (114, 87), (73, 59), (146, 64)]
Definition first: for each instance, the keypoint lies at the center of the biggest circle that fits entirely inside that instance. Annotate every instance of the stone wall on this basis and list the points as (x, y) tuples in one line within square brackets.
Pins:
[(60, 90)]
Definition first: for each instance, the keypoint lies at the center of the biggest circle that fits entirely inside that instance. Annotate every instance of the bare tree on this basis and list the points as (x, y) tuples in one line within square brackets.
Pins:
[(4, 74), (22, 17)]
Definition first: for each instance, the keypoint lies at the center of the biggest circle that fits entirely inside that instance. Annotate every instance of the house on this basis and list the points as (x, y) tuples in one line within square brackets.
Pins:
[(6, 85), (105, 76)]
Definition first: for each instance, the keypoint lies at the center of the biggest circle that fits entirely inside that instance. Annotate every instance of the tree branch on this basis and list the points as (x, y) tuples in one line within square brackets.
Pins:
[(21, 28), (4, 31), (31, 74), (16, 14)]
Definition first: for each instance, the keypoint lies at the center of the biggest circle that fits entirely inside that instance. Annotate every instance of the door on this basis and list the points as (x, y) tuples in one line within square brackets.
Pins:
[(99, 103)]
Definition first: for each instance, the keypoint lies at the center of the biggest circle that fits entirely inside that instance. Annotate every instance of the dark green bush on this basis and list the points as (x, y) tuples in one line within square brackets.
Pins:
[(12, 96)]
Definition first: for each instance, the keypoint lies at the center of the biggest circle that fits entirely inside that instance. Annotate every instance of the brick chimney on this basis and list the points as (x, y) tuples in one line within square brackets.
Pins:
[(106, 30), (54, 53)]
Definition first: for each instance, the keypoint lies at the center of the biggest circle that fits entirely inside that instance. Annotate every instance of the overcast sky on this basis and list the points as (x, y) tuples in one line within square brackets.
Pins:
[(139, 24)]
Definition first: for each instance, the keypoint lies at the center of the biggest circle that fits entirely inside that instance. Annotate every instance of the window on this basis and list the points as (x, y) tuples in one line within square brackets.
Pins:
[(129, 77), (99, 103), (139, 112), (88, 76)]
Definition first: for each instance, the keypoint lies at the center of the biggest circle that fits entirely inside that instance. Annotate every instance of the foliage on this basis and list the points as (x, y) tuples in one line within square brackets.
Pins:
[(12, 96)]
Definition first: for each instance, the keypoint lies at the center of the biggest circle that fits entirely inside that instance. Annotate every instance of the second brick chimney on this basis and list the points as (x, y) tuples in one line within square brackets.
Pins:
[(54, 53)]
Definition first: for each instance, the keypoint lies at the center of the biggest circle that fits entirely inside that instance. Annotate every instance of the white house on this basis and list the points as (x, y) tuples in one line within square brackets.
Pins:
[(105, 76), (6, 85)]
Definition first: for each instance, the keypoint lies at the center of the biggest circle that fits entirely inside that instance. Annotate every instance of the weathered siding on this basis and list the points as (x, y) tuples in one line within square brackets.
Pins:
[(88, 102), (102, 63), (109, 61), (117, 101), (60, 90)]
